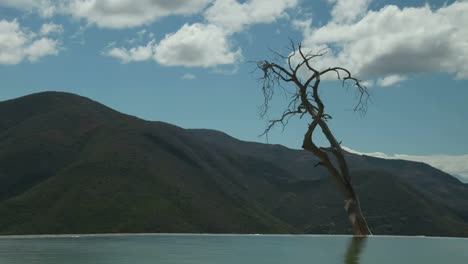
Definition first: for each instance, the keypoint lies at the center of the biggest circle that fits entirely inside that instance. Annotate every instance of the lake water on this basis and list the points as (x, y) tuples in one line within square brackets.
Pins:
[(230, 249)]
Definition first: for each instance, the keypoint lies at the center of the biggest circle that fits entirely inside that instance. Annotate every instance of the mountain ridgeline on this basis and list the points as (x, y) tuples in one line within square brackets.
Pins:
[(71, 165)]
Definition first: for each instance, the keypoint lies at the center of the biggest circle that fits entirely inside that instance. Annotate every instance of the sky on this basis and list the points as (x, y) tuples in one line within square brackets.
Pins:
[(192, 63)]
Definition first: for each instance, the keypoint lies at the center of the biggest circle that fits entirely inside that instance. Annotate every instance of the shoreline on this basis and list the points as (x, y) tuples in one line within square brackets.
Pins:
[(211, 235)]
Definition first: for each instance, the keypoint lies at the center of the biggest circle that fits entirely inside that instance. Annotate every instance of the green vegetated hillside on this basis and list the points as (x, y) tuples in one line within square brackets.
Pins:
[(71, 165)]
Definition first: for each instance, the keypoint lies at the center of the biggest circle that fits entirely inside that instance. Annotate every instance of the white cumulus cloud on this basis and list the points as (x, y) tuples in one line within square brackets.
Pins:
[(135, 54), (51, 28), (235, 16), (390, 80), (196, 45), (45, 8), (347, 11), (40, 48), (111, 13), (391, 44), (18, 44), (207, 44), (130, 13)]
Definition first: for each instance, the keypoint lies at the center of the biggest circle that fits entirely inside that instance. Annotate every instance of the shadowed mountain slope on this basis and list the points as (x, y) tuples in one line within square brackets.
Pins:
[(71, 165)]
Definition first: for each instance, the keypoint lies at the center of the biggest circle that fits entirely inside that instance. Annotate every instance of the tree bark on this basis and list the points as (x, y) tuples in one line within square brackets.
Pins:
[(351, 203), (340, 176), (357, 220)]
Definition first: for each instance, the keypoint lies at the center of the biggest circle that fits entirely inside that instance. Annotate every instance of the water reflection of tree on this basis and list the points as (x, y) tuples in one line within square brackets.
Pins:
[(355, 248)]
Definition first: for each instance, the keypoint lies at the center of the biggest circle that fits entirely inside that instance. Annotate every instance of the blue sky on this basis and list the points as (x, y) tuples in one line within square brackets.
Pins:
[(187, 63)]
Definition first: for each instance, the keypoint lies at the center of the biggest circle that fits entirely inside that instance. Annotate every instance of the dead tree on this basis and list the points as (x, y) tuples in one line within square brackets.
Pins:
[(306, 101)]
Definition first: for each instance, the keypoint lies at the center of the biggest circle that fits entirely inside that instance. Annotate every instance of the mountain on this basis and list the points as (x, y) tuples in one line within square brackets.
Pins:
[(71, 165)]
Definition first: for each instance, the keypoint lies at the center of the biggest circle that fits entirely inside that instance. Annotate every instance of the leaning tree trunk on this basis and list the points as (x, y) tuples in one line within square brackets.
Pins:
[(340, 175), (358, 222), (353, 209), (351, 202)]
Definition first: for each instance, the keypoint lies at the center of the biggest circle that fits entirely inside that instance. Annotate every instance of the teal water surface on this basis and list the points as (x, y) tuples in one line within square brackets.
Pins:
[(230, 249)]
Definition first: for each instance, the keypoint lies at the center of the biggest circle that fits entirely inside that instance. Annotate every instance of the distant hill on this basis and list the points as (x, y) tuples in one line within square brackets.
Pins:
[(71, 165)]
